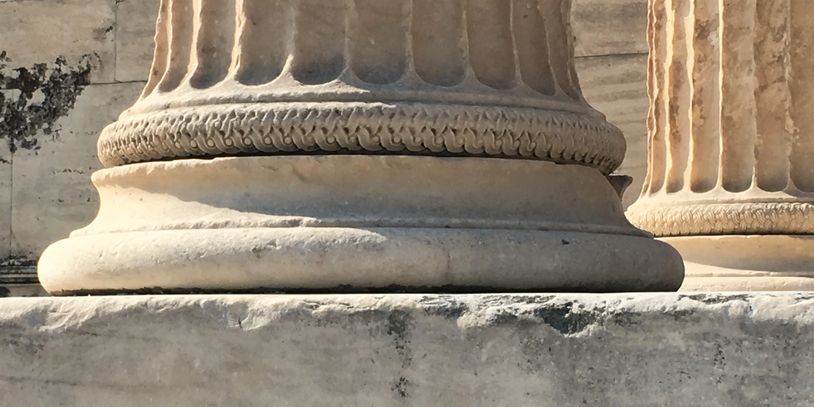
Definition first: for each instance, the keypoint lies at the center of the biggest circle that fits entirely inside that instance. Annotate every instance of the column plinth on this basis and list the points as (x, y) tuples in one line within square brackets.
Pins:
[(360, 144), (731, 180)]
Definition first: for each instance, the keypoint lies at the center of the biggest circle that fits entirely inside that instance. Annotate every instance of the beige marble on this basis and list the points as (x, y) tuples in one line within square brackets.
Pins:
[(731, 140), (396, 145), (610, 27), (5, 201)]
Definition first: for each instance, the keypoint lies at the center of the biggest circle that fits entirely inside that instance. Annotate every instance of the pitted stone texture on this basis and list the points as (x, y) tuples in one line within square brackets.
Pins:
[(471, 350)]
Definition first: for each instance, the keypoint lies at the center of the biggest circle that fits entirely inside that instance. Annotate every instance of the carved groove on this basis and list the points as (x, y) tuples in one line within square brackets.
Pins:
[(490, 42), (378, 40), (264, 31), (319, 49), (437, 41), (656, 37), (180, 46), (559, 33), (215, 42), (161, 55), (802, 94), (532, 46), (706, 98)]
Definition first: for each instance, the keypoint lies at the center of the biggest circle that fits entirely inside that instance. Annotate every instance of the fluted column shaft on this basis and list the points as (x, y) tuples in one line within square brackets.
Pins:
[(731, 123), (443, 77)]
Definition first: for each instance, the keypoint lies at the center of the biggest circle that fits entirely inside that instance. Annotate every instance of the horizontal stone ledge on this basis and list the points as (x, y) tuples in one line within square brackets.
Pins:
[(445, 350)]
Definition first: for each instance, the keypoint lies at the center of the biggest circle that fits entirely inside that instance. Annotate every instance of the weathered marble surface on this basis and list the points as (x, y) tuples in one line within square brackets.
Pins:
[(413, 107), (730, 182), (422, 350), (120, 32)]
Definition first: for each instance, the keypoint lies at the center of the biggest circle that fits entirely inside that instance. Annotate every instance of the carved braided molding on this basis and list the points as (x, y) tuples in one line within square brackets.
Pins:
[(255, 129), (725, 219)]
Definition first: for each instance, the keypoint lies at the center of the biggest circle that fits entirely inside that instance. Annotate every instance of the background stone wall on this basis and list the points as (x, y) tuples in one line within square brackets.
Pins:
[(51, 115)]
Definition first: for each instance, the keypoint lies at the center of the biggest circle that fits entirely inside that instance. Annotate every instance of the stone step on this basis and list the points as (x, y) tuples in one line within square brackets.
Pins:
[(422, 350)]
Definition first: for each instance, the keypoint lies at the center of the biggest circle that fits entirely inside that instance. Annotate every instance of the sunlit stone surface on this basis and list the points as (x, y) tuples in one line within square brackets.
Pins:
[(610, 350), (731, 177), (386, 145)]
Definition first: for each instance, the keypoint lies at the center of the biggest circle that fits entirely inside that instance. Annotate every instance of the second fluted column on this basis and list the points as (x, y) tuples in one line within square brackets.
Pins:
[(731, 174)]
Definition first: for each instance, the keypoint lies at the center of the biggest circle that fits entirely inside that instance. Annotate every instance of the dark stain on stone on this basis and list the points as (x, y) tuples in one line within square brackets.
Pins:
[(4, 292), (624, 319), (398, 327), (69, 171), (503, 318), (719, 361), (32, 99), (564, 319), (101, 33), (533, 348), (401, 386), (451, 312), (23, 345)]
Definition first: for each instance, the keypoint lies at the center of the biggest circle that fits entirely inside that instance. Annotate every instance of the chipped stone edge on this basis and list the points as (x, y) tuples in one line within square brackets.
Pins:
[(568, 314)]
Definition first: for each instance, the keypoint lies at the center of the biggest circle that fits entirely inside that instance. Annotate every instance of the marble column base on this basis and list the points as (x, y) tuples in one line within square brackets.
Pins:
[(347, 223), (747, 262), (419, 350)]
